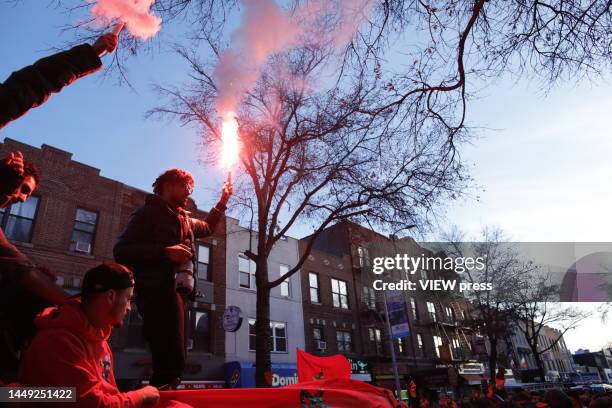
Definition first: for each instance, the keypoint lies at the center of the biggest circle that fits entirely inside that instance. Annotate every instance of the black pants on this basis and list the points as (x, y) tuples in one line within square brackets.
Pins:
[(18, 308), (163, 315)]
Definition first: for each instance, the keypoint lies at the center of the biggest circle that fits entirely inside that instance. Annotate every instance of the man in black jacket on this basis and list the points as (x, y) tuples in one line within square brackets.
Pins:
[(159, 238), (31, 86)]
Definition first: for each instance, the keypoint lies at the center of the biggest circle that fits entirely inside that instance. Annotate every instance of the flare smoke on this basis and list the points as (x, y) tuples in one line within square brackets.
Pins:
[(136, 14), (266, 29)]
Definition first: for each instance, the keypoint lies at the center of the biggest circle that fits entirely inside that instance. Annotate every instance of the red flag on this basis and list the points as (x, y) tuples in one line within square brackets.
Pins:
[(500, 379), (336, 393), (413, 389), (311, 368)]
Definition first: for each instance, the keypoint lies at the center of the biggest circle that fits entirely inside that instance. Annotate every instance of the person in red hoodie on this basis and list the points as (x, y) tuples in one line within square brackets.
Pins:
[(71, 348)]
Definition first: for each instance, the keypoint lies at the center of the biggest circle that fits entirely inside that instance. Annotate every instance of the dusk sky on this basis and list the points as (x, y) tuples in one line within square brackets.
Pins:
[(543, 160)]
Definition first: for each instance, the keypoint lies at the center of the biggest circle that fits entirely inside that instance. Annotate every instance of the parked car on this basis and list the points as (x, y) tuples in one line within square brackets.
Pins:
[(595, 388)]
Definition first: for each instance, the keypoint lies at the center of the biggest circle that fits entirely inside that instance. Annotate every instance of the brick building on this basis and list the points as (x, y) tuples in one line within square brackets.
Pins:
[(340, 303), (71, 224)]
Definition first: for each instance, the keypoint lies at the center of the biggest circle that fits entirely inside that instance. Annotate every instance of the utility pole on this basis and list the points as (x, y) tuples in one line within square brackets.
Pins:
[(392, 346)]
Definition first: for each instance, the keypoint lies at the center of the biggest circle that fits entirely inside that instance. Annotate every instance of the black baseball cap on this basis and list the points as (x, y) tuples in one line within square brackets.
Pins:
[(105, 277)]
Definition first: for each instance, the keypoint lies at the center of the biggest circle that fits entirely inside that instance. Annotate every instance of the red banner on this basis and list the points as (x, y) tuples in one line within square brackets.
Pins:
[(336, 393), (312, 367)]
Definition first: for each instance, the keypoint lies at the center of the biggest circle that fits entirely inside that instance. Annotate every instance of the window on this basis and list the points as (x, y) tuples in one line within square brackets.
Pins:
[(420, 341), (17, 221), (279, 336), (285, 287), (437, 343), (423, 274), (449, 313), (369, 297), (432, 312), (317, 333), (345, 343), (400, 346), (83, 232), (376, 340), (313, 282), (413, 308), (364, 256), (339, 294), (200, 330), (456, 347), (203, 262), (252, 335), (247, 272)]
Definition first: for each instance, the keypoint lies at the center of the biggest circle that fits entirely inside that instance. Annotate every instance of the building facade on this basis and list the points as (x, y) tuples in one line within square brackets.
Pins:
[(71, 224), (599, 362), (286, 316), (341, 303), (556, 358)]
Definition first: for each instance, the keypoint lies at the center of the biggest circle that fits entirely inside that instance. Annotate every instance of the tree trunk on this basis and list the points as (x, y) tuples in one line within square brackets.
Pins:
[(263, 363), (538, 359), (492, 358)]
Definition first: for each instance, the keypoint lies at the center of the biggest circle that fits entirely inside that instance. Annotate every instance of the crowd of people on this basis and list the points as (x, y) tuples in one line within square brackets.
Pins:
[(51, 339)]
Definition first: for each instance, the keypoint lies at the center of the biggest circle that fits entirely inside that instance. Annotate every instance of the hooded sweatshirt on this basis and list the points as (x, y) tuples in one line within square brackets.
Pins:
[(69, 352)]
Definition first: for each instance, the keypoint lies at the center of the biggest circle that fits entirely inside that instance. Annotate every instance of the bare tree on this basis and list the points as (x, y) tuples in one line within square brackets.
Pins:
[(494, 310), (319, 156), (538, 307), (446, 46)]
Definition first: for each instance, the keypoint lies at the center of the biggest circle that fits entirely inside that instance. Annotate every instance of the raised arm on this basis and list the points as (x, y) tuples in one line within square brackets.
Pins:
[(31, 86)]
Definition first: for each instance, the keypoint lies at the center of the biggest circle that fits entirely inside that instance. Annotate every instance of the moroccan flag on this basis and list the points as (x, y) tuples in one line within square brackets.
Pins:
[(312, 368), (337, 393)]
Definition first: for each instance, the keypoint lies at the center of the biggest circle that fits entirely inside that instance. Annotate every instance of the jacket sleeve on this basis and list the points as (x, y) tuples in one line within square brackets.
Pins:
[(66, 364), (205, 228), (133, 246), (13, 264), (32, 85)]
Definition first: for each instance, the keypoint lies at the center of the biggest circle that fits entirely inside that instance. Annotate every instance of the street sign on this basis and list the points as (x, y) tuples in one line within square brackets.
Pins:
[(398, 318)]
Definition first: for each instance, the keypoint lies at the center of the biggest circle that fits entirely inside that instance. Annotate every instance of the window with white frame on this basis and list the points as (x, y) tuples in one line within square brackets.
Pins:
[(369, 297), (318, 333), (414, 309), (285, 287), (345, 341), (339, 294), (364, 256), (83, 232), (400, 346), (17, 221), (456, 346), (200, 329), (449, 313), (279, 336), (246, 268), (313, 283), (203, 262), (376, 340), (431, 309), (437, 343)]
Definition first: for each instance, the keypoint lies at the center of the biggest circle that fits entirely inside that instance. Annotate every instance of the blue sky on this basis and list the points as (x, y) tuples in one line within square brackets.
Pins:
[(543, 160)]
